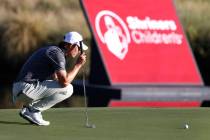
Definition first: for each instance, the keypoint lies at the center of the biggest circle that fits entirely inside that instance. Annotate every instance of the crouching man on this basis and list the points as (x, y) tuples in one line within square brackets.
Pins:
[(33, 87)]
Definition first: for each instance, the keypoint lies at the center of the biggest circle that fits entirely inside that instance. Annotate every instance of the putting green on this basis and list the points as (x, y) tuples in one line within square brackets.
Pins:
[(111, 124)]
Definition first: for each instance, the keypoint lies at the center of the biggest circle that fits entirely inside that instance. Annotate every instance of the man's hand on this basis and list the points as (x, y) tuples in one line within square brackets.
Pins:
[(54, 76), (66, 77), (82, 59)]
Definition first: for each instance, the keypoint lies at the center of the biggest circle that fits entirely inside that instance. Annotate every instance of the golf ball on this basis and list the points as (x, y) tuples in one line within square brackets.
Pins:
[(186, 126)]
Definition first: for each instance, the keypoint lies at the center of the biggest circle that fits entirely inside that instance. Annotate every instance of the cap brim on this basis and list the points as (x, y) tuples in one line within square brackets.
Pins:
[(84, 47)]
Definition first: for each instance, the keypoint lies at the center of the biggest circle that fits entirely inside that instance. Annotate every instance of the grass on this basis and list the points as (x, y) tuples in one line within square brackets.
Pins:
[(111, 124)]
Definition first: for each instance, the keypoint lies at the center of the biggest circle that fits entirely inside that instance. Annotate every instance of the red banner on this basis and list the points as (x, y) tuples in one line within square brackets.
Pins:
[(142, 42)]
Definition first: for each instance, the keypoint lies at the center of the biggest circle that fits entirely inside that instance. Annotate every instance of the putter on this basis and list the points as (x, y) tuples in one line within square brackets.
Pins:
[(87, 124)]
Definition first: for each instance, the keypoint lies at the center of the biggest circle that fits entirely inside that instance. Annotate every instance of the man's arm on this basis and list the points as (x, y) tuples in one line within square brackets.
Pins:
[(66, 77)]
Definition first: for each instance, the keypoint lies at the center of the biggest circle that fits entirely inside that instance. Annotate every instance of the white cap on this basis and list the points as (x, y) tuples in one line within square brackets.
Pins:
[(74, 38)]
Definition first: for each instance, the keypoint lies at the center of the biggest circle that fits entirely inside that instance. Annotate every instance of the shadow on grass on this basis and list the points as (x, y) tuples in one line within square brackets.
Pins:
[(17, 123)]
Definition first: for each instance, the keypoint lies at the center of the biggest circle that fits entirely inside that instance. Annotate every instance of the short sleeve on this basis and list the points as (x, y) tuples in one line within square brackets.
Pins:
[(56, 58)]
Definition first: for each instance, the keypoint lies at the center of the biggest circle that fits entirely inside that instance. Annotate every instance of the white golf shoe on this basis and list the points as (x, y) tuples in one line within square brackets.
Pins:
[(33, 117)]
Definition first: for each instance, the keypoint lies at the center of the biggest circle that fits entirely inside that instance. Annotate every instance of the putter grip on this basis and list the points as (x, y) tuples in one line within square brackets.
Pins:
[(81, 47)]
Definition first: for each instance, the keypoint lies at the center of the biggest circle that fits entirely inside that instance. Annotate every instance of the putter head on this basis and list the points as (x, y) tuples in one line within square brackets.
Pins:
[(90, 125)]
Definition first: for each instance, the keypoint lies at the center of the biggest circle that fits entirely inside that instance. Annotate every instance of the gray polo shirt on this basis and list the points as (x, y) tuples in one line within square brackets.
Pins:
[(42, 64)]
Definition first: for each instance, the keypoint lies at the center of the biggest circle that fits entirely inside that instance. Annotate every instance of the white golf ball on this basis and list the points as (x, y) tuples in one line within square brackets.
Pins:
[(186, 126)]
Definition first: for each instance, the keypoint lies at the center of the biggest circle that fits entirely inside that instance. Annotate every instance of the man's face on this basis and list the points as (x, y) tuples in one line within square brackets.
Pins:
[(72, 50)]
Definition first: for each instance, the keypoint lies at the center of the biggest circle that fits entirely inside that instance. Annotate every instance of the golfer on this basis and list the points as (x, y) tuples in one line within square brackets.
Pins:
[(44, 80)]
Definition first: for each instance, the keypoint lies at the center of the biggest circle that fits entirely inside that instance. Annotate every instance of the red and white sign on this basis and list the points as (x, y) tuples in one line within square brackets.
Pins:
[(142, 42)]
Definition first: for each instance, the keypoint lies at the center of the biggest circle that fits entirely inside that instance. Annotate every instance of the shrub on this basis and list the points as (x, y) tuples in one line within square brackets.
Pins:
[(26, 24), (22, 34), (195, 18)]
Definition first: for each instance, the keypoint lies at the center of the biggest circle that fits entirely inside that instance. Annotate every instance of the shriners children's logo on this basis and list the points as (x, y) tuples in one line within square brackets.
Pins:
[(115, 34), (118, 34)]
